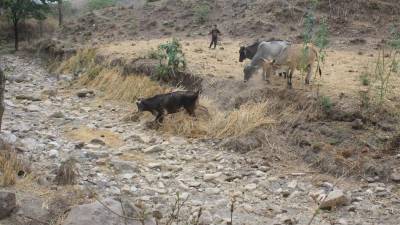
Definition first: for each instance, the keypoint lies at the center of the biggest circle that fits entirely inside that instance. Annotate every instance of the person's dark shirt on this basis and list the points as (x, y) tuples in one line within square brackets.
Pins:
[(214, 32)]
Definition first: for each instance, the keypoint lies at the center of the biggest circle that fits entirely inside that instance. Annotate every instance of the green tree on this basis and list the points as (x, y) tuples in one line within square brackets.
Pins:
[(21, 9)]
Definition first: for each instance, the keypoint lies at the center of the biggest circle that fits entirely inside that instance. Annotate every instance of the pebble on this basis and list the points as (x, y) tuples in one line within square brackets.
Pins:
[(210, 177), (53, 153), (154, 149), (250, 187)]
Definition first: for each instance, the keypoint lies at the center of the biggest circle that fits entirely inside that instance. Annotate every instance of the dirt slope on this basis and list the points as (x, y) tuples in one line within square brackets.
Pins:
[(245, 19)]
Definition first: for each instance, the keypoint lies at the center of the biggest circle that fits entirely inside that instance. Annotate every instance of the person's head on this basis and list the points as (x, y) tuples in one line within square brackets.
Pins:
[(215, 26)]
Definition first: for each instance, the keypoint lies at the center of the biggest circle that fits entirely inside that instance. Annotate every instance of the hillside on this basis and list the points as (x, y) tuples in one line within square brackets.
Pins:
[(239, 19)]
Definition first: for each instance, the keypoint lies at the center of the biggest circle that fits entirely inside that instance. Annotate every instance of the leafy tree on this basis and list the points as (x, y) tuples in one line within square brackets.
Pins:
[(21, 9)]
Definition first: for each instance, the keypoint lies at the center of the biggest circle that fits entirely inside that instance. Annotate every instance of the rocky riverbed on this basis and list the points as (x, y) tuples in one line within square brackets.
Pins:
[(50, 121)]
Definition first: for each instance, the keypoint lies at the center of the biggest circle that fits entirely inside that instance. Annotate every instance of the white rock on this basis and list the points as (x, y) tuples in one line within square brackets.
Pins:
[(333, 199), (53, 153), (154, 149), (292, 184), (177, 141), (250, 187), (212, 176)]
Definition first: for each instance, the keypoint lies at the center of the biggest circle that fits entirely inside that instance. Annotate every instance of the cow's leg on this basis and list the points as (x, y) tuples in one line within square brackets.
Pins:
[(190, 110), (289, 80), (267, 74), (160, 116), (308, 77)]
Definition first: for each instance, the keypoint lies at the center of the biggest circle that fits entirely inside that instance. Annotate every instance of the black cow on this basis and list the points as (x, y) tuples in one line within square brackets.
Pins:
[(170, 103)]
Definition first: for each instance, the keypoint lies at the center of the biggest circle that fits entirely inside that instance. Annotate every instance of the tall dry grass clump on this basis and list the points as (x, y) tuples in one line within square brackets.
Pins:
[(125, 88), (213, 123), (10, 165), (84, 58)]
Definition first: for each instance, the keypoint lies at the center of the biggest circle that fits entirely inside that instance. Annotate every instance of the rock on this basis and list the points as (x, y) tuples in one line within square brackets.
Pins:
[(97, 141), (395, 176), (177, 141), (7, 203), (33, 207), (292, 184), (154, 149), (7, 138), (125, 166), (85, 93), (96, 213), (212, 191), (53, 153), (357, 124), (335, 198), (33, 108), (250, 187), (57, 115), (32, 98), (210, 177)]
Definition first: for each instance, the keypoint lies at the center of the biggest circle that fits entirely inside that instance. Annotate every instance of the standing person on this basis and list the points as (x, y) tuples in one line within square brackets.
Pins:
[(214, 36)]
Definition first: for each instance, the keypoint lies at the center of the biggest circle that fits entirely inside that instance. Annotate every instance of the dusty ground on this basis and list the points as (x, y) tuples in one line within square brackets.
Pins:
[(344, 64)]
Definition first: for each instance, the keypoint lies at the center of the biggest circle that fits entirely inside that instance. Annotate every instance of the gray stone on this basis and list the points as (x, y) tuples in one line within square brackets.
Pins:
[(57, 115), (28, 97), (96, 213), (85, 93), (334, 199), (124, 166), (250, 187), (33, 108), (53, 153), (33, 207), (395, 176), (97, 141), (212, 176), (7, 203), (357, 124), (154, 149)]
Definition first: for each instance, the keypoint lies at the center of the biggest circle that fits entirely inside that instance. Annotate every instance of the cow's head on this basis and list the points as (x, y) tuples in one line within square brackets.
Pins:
[(140, 104), (242, 54), (248, 72)]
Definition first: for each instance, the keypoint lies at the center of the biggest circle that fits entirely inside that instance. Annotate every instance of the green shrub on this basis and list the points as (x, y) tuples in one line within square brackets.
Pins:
[(365, 79), (201, 13), (171, 58), (99, 4), (326, 103)]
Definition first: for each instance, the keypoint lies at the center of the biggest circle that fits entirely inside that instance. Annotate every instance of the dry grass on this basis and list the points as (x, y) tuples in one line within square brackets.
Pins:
[(83, 59), (124, 88), (210, 122), (10, 165), (67, 172), (87, 134)]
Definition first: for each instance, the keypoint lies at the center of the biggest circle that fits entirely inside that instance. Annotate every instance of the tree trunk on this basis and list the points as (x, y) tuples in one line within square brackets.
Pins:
[(60, 13), (16, 34), (2, 89)]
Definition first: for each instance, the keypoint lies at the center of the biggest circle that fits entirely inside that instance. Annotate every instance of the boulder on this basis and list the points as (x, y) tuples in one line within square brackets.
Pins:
[(334, 199), (7, 203), (96, 213)]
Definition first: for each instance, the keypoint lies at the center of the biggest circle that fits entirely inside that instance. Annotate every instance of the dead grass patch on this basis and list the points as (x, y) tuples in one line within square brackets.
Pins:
[(87, 134), (210, 122), (123, 88), (10, 166)]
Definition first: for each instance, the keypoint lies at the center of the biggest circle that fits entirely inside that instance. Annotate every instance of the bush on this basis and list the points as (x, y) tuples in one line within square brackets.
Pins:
[(201, 13), (326, 103), (365, 79), (172, 53), (99, 4)]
